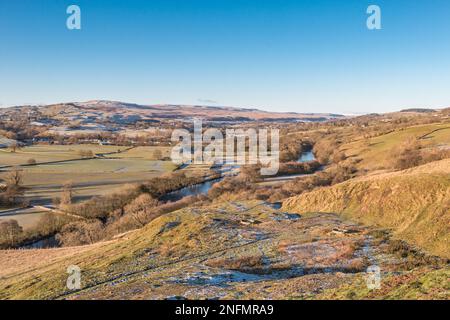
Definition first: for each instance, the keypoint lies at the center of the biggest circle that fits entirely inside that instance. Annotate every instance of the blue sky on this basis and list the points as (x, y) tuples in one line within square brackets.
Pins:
[(303, 56)]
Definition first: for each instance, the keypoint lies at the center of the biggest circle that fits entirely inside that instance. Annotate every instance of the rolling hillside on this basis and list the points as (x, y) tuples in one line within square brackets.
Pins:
[(414, 203), (374, 152)]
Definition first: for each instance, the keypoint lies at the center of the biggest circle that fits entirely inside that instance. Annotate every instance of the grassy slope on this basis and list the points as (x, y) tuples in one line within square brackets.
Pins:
[(151, 262), (374, 154), (415, 203), (41, 274), (418, 284)]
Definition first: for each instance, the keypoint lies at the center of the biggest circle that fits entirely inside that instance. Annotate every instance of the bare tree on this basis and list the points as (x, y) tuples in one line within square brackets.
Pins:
[(407, 155), (86, 153), (14, 187), (67, 194), (14, 179), (250, 173), (157, 154), (140, 208), (10, 232), (14, 147), (80, 233)]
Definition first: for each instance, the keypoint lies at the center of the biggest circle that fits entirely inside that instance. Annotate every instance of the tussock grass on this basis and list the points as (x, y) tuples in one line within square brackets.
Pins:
[(414, 203)]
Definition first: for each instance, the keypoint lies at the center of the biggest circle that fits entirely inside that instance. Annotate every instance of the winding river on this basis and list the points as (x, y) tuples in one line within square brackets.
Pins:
[(203, 188)]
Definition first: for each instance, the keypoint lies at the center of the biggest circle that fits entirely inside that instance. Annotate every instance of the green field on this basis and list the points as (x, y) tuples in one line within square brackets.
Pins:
[(144, 153), (90, 177), (26, 218), (48, 153), (375, 154)]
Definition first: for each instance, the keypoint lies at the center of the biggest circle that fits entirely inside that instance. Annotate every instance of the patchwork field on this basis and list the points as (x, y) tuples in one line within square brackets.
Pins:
[(108, 171), (48, 153)]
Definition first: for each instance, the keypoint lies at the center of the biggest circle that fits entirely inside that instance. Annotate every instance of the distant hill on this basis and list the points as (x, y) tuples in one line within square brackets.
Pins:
[(107, 109), (419, 110), (213, 113)]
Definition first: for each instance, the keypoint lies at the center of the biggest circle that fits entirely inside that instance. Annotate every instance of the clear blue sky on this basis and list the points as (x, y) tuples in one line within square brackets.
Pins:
[(304, 56)]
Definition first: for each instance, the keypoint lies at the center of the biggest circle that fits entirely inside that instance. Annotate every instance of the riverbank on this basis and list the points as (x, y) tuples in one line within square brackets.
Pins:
[(231, 170)]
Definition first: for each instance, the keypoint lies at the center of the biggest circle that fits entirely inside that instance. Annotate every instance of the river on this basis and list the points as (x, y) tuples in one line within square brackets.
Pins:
[(196, 189), (306, 156), (45, 243), (203, 188)]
